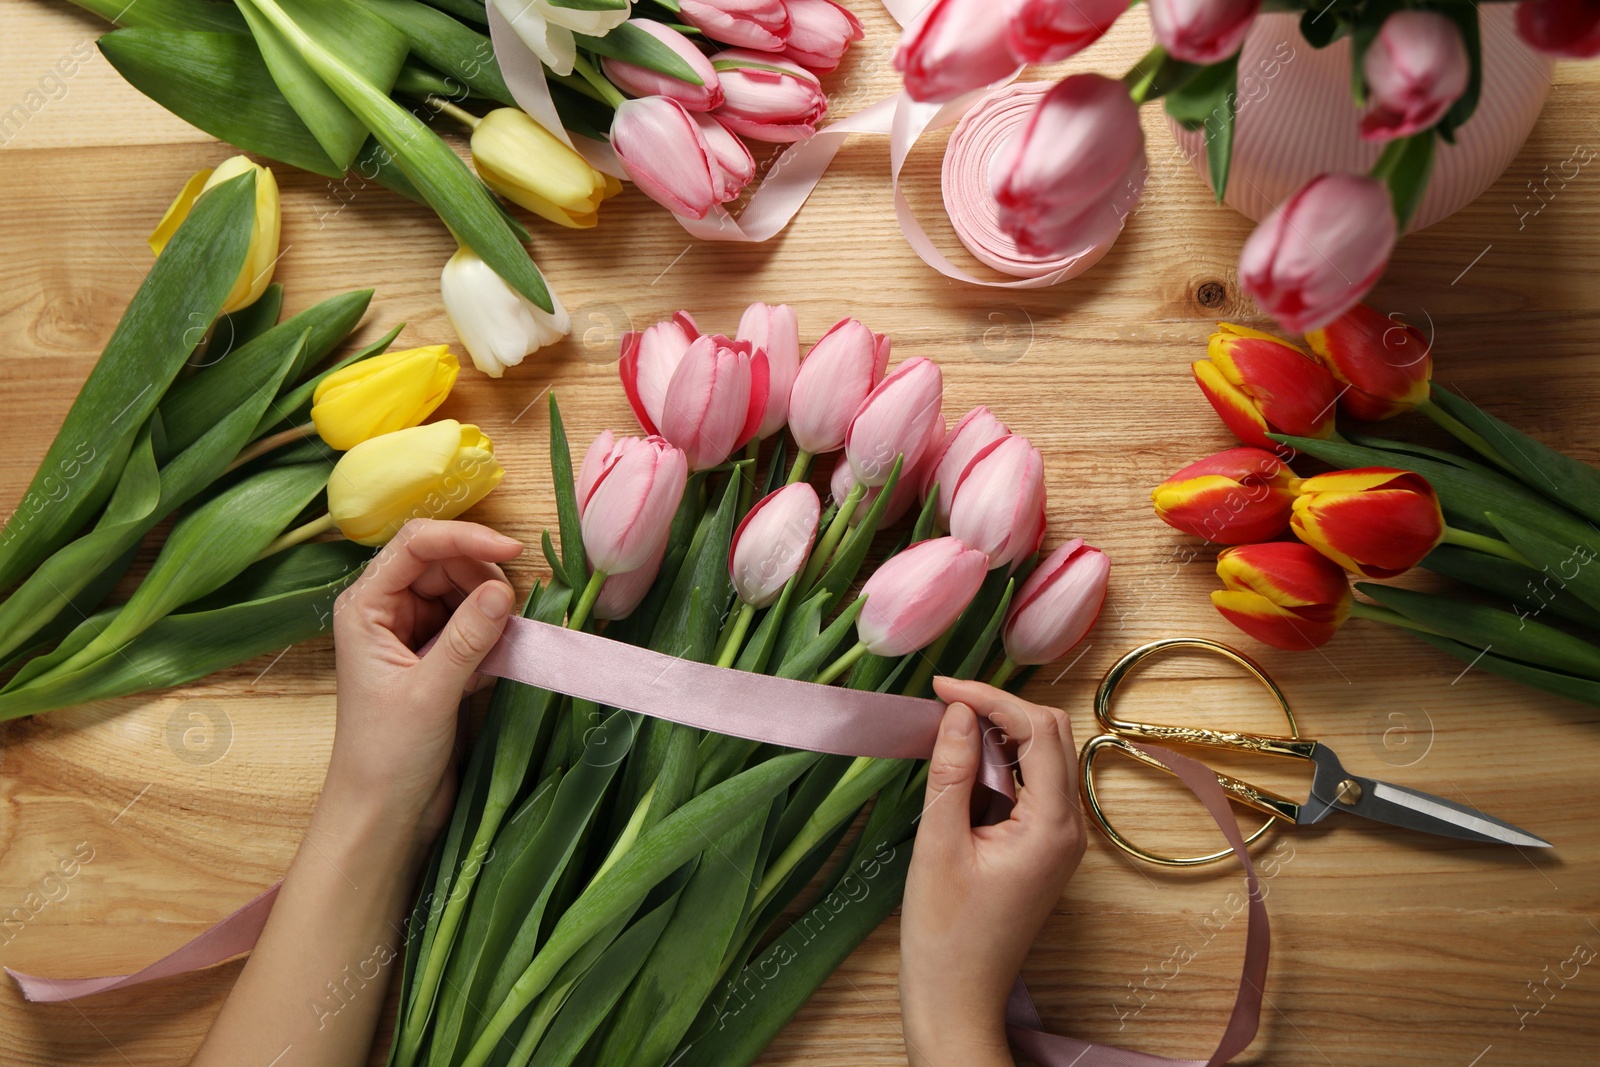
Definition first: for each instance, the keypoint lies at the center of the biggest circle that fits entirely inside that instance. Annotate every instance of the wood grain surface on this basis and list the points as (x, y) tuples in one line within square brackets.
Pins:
[(1388, 948)]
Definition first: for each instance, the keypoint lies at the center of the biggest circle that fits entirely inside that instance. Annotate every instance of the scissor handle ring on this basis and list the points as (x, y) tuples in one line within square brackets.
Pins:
[(1119, 671), (1091, 749), (1115, 676)]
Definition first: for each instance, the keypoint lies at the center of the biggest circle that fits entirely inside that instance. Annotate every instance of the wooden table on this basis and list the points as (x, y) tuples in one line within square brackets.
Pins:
[(1388, 948)]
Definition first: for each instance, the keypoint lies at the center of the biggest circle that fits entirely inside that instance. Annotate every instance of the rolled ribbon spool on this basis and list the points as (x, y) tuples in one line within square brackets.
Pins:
[(969, 161)]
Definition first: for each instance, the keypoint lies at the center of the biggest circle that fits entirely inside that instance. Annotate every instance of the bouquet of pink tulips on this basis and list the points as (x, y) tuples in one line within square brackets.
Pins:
[(1076, 168), (619, 889)]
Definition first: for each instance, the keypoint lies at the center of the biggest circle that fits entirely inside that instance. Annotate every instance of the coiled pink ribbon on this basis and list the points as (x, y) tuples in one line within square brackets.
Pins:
[(817, 717)]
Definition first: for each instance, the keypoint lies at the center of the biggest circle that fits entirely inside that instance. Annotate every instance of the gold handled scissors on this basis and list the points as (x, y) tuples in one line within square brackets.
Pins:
[(1332, 787)]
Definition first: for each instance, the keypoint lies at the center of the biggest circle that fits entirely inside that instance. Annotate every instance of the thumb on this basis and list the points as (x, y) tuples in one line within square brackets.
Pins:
[(952, 772), (472, 631)]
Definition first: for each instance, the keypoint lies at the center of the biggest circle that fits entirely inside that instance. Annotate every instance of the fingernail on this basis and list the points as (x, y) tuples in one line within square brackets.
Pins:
[(959, 721), (507, 540), (495, 600)]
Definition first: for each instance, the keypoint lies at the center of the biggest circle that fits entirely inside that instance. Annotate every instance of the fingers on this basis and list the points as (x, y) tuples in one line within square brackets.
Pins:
[(447, 670), (424, 542), (952, 772), (1044, 743)]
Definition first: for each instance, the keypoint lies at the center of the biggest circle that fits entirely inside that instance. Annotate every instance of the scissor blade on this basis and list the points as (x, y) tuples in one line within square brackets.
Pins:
[(1414, 810)]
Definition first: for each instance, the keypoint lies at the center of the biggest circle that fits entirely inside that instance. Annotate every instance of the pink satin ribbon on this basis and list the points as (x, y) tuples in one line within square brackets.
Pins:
[(776, 711)]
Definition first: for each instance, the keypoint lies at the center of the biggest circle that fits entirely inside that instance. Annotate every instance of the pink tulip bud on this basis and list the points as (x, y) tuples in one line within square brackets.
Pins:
[(838, 373), (620, 594), (916, 595), (1057, 605), (1561, 27), (772, 543), (600, 455), (1202, 31), (948, 459), (759, 24), (774, 330), (1044, 31), (649, 360), (734, 161), (767, 97), (1066, 181), (715, 400), (895, 420), (628, 512), (1415, 69), (666, 155), (642, 81), (819, 32), (1319, 253), (954, 46), (998, 507)]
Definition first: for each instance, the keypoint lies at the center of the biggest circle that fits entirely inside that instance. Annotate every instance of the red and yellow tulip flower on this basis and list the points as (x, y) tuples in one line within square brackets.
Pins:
[(1282, 593), (1376, 521), (1384, 363), (1261, 385), (1236, 497)]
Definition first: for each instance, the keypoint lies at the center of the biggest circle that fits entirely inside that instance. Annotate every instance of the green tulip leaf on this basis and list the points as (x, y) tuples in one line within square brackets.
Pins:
[(574, 564), (206, 15), (238, 328), (978, 649), (219, 83), (630, 44), (1405, 165), (1582, 690), (1562, 479), (1571, 567), (1529, 591), (1466, 19), (293, 407), (471, 10), (1507, 633), (459, 198), (804, 662), (852, 553), (1207, 102), (184, 290), (192, 644), (449, 47)]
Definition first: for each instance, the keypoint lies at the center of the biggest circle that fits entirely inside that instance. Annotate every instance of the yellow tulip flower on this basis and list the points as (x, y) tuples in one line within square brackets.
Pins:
[(526, 164), (435, 471), (383, 394), (259, 262)]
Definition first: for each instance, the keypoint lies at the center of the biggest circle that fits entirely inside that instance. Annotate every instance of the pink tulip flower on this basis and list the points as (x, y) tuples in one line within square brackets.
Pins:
[(715, 400), (759, 24), (916, 595), (774, 330), (1066, 181), (767, 97), (620, 594), (642, 81), (1415, 69), (954, 46), (734, 162), (838, 373), (1202, 31), (628, 512), (1057, 605), (998, 507), (906, 488), (1044, 31), (949, 458), (819, 32), (1319, 253), (1561, 27), (895, 420), (772, 543), (602, 452), (648, 362), (666, 155)]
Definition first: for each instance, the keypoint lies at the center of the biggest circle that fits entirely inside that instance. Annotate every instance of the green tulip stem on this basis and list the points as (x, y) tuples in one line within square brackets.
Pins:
[(298, 535), (461, 115), (1360, 609), (1141, 79), (591, 593), (745, 471), (260, 448), (576, 84), (733, 638), (842, 664), (801, 467), (814, 830), (1478, 542), (928, 662), (607, 91), (1002, 673), (832, 536), (1465, 434)]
